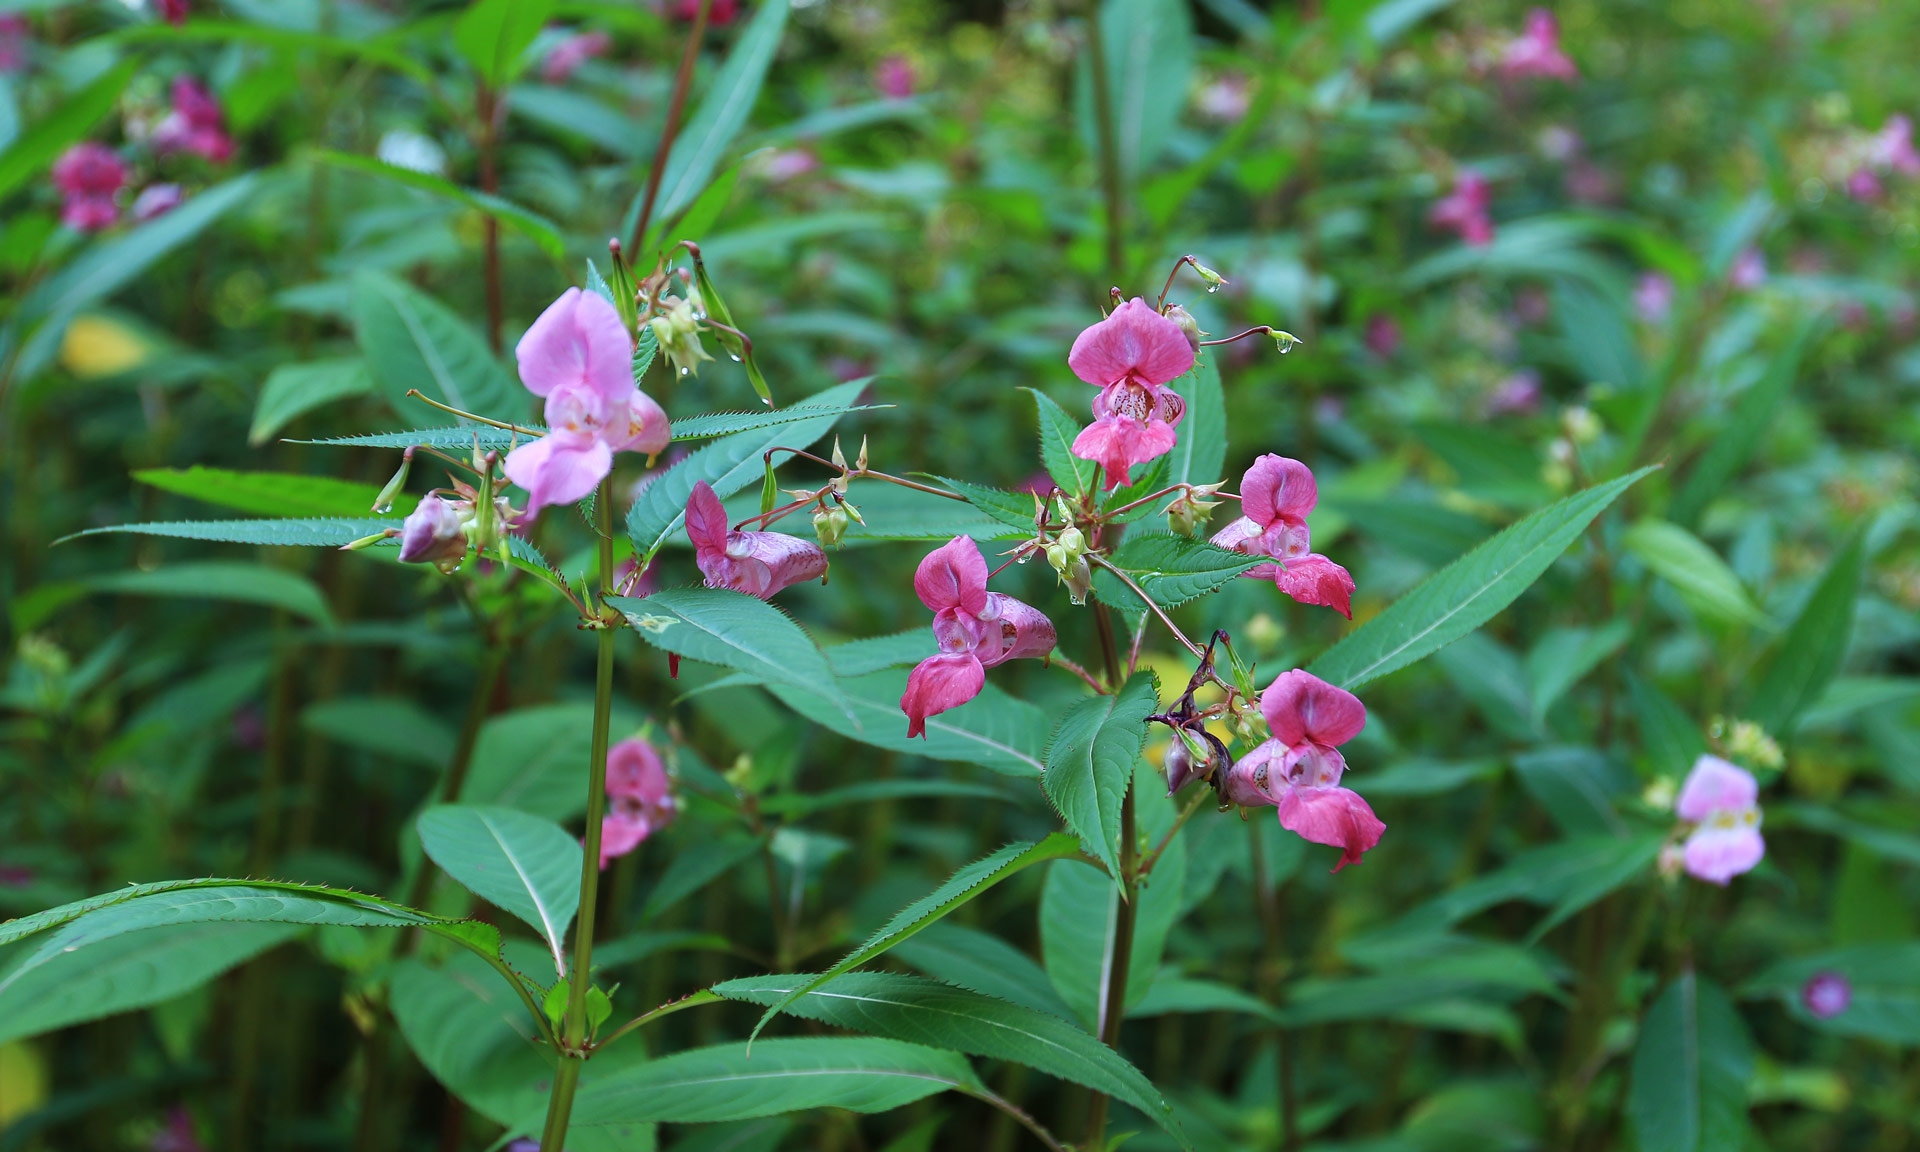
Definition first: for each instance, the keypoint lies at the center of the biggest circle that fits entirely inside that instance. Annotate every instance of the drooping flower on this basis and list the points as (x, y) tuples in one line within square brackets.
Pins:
[(1275, 496), (1130, 356), (895, 77), (1464, 211), (1298, 770), (757, 563), (1722, 801), (571, 52), (1653, 296), (156, 200), (1536, 51), (196, 124), (976, 629), (1827, 994), (640, 798), (579, 357), (435, 532), (88, 175)]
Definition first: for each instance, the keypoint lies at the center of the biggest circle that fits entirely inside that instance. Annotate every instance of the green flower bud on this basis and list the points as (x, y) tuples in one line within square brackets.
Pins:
[(830, 524)]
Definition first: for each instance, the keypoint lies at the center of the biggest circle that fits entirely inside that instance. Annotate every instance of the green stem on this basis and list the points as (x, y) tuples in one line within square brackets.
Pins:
[(573, 1034), (1115, 972), (1109, 148)]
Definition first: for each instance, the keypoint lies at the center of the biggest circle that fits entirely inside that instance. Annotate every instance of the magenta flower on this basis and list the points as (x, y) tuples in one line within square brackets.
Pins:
[(1891, 149), (1749, 270), (1130, 356), (1464, 211), (572, 52), (1653, 296), (1276, 494), (895, 77), (196, 124), (1827, 994), (1298, 771), (719, 15), (976, 629), (1721, 800), (156, 200), (757, 563), (1536, 51), (435, 532), (639, 799), (174, 11), (1383, 335), (579, 357), (14, 42), (88, 176)]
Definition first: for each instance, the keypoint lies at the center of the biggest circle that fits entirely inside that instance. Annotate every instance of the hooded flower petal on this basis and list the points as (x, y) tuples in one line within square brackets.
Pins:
[(953, 575), (648, 429), (1336, 816), (1314, 579), (434, 532), (937, 684), (1715, 785), (1133, 342), (706, 521), (1278, 488), (1254, 780), (634, 769), (1301, 708), (1015, 630), (762, 563), (1717, 854), (578, 342), (559, 468)]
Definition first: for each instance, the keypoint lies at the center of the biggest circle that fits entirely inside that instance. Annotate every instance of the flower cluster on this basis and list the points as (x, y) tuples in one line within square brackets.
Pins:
[(196, 124), (1536, 51), (1298, 770), (1721, 801), (1276, 494), (442, 527), (1465, 211), (976, 629), (640, 799), (91, 177)]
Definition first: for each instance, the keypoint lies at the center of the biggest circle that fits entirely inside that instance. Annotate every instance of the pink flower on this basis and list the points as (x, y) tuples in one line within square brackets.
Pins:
[(579, 357), (1721, 800), (1464, 210), (174, 11), (572, 52), (1275, 496), (1517, 395), (757, 563), (14, 41), (976, 629), (1827, 994), (1298, 771), (1226, 100), (88, 175), (719, 15), (895, 77), (1892, 147), (435, 532), (1383, 335), (639, 799), (156, 200), (1749, 270), (1536, 52), (1653, 297), (1130, 356), (196, 124)]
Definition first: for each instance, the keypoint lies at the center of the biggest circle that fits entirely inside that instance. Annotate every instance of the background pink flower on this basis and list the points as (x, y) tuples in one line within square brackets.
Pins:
[(1721, 800)]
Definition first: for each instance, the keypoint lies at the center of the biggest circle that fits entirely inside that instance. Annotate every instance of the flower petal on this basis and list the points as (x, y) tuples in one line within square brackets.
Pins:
[(1715, 785), (1134, 341), (1300, 707), (1015, 630), (1336, 816), (1314, 579), (1254, 780), (1276, 487), (1717, 855), (579, 340), (706, 522), (558, 468), (953, 575), (937, 684)]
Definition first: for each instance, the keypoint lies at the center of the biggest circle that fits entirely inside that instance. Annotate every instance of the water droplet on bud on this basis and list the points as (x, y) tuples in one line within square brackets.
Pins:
[(383, 509), (1212, 288), (686, 372), (733, 358)]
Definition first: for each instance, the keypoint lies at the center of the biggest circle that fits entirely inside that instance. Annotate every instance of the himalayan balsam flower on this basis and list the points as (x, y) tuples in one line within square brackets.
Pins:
[(435, 532), (1749, 270), (1383, 335), (895, 77), (757, 563), (1130, 356), (639, 799), (1464, 210), (88, 175), (975, 628), (195, 125), (1827, 994), (156, 200), (1298, 771), (578, 356), (1276, 494), (1721, 800), (1653, 296), (572, 52), (1536, 51)]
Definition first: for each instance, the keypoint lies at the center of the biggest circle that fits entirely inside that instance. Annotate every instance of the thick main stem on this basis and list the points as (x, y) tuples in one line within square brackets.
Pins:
[(1109, 147), (573, 1033), (1115, 971), (490, 184)]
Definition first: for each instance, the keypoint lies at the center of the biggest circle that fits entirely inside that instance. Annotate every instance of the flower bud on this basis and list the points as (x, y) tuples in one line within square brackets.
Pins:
[(435, 532), (1178, 765), (1581, 425), (1073, 542), (1212, 278), (1748, 742), (1189, 327), (383, 503), (678, 332), (1285, 341), (1079, 579), (830, 524), (1189, 512)]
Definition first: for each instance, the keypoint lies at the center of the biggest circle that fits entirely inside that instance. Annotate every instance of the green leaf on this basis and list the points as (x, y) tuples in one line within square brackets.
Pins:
[(1564, 655), (1690, 1071), (1466, 593), (1695, 570), (412, 341), (1201, 451), (131, 971), (1885, 979), (1011, 508), (927, 1012), (1073, 475), (1079, 917), (993, 730), (535, 759), (1091, 760), (704, 211), (1733, 445), (494, 36), (307, 532), (530, 224), (1670, 737), (224, 580), (734, 630), (1179, 994), (963, 886), (705, 1085), (723, 110), (694, 867), (1148, 50), (293, 390), (729, 465), (1170, 569), (894, 650), (387, 726), (265, 493), (198, 31), (690, 428), (1811, 651), (35, 151), (515, 861), (980, 961)]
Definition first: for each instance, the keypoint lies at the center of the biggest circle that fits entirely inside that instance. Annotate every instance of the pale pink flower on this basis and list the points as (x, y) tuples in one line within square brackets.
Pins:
[(1464, 211), (757, 563), (1749, 270), (976, 629), (1827, 994), (640, 798), (567, 55), (1653, 296), (435, 532), (1517, 395), (783, 164), (88, 175), (895, 77), (156, 200), (1130, 356), (1298, 771), (1722, 801), (1276, 494), (1226, 100), (1891, 149), (1536, 51), (579, 357), (196, 124)]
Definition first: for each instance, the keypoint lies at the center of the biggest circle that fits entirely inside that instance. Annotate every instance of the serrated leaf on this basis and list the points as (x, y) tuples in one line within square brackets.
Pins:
[(1146, 483), (265, 493), (724, 1082), (1695, 571), (513, 860), (1171, 569), (1690, 1071), (1466, 593), (413, 341), (1091, 760), (927, 1012), (734, 630), (528, 223), (1810, 653), (302, 532), (1201, 451), (963, 886), (969, 958), (1011, 508), (993, 730), (690, 428), (224, 580), (1073, 475), (293, 390)]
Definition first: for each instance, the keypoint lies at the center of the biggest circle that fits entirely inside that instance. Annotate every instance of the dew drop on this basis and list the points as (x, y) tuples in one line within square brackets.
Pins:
[(1212, 288), (733, 358), (383, 509), (686, 372), (1285, 348)]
